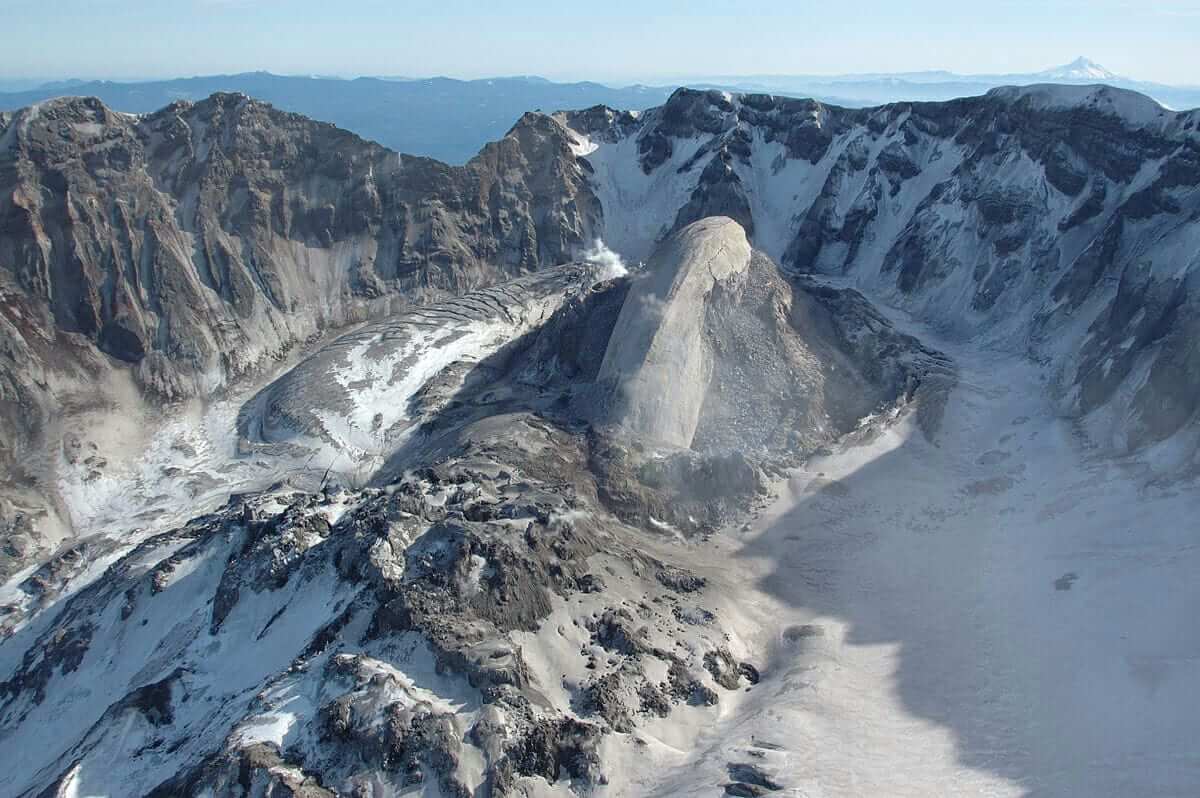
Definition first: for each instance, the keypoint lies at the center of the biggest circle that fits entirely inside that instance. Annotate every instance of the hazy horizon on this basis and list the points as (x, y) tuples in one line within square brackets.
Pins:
[(626, 43), (650, 81)]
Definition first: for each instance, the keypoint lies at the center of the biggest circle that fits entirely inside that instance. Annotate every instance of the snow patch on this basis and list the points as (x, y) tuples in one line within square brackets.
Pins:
[(640, 208)]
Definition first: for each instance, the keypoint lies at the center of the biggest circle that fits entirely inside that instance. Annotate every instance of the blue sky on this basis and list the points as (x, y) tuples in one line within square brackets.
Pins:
[(609, 40)]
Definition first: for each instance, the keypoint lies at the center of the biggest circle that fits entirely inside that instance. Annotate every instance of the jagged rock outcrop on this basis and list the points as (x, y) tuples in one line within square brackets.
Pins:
[(202, 231), (184, 248), (187, 247), (457, 557)]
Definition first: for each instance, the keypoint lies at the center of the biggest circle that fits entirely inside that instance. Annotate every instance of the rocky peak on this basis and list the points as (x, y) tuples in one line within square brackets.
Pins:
[(599, 121), (657, 371)]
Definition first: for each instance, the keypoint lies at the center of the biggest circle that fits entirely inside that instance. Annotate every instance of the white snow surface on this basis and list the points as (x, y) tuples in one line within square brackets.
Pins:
[(997, 612), (1134, 108), (638, 207)]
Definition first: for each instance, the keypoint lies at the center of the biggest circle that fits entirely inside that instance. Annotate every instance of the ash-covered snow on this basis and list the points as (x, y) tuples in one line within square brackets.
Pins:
[(995, 612), (979, 581)]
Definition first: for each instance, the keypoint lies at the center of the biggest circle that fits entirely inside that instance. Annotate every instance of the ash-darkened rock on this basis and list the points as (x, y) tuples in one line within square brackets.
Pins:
[(554, 750), (686, 490), (806, 128), (414, 743), (269, 551), (257, 769), (750, 780), (683, 686), (719, 193), (604, 697), (154, 701), (727, 671), (601, 121), (61, 652)]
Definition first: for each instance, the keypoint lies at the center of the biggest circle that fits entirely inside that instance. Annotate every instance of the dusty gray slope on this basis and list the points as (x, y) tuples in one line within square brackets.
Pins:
[(1058, 221), (509, 591), (187, 247), (352, 403)]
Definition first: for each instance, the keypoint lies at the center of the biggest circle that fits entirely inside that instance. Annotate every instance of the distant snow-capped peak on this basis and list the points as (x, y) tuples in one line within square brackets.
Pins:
[(1079, 69)]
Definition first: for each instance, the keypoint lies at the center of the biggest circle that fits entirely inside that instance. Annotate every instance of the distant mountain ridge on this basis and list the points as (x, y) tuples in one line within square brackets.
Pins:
[(450, 119), (938, 85), (438, 117)]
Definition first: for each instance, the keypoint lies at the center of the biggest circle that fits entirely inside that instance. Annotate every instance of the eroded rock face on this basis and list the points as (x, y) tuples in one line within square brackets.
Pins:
[(173, 252), (190, 246), (139, 234), (476, 590)]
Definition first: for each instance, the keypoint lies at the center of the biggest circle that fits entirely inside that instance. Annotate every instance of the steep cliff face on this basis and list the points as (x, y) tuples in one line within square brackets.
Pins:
[(187, 247), (1055, 220), (194, 241)]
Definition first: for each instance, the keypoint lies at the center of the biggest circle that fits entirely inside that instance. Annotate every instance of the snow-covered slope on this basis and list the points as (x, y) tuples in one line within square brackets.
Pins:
[(999, 611), (866, 478), (1081, 69), (1058, 221)]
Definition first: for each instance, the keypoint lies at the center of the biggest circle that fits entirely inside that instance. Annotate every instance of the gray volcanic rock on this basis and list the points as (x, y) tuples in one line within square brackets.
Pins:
[(154, 229), (655, 373), (487, 616), (192, 245), (720, 353), (477, 570), (1055, 220), (188, 247), (719, 193)]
